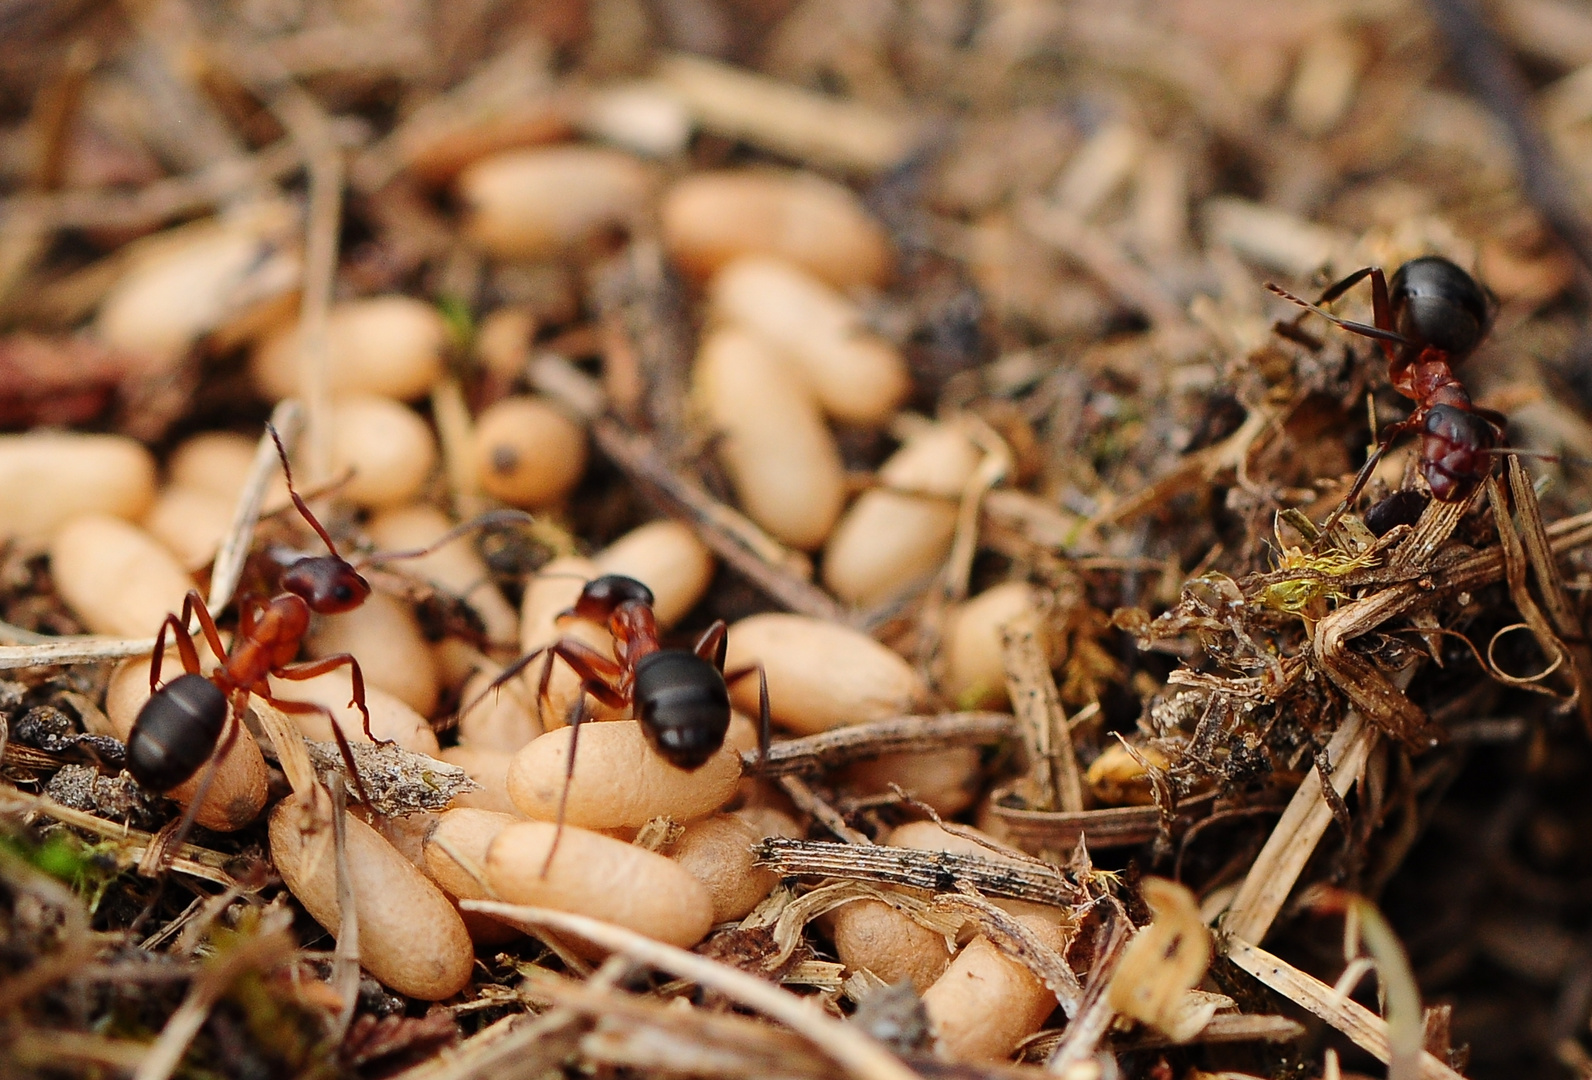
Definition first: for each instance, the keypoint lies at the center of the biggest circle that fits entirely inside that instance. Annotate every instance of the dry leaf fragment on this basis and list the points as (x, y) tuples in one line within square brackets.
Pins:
[(1164, 962)]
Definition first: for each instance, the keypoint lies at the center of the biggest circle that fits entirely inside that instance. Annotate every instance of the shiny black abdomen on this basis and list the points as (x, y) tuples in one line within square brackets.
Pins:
[(683, 706), (175, 732)]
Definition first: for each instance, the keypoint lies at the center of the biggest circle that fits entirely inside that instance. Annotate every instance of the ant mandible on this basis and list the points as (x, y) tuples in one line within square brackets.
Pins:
[(180, 725), (1428, 319), (680, 697)]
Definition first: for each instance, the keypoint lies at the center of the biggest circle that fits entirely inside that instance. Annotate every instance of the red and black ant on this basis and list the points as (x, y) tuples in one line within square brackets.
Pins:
[(680, 697), (180, 725), (1428, 319)]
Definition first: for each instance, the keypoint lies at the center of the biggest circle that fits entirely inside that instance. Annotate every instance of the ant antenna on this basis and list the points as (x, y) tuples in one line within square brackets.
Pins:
[(303, 507), (1363, 329)]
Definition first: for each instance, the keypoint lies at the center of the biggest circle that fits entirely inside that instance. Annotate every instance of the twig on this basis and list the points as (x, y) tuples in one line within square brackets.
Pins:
[(234, 549), (936, 871), (859, 1055), (192, 860), (816, 753), (1043, 721), (808, 801), (1365, 1028), (157, 202), (1094, 1018), (826, 131), (312, 130)]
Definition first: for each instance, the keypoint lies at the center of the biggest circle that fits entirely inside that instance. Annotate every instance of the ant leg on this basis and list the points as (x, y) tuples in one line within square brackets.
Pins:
[(308, 669), (192, 604), (491, 519), (589, 664), (1363, 477), (713, 645), (764, 718), (343, 748), (577, 716)]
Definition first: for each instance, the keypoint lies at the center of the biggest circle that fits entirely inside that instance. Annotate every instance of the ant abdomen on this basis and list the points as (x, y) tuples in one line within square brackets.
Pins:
[(683, 706), (176, 731), (1456, 449), (1437, 304)]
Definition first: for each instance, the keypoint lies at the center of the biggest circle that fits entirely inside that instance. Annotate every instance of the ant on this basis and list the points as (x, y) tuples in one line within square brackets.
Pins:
[(180, 725), (680, 697), (1429, 318)]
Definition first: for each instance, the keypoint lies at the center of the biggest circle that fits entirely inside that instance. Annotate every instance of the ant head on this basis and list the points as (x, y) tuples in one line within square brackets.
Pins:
[(602, 596), (327, 583), (1436, 303)]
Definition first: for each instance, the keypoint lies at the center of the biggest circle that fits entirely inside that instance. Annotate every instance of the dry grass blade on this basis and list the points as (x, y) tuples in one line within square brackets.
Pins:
[(1296, 834), (1365, 1028), (859, 1055), (1054, 775)]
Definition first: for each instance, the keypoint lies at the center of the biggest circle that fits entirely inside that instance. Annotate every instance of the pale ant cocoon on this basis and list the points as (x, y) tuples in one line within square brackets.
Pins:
[(387, 450), (390, 719), (872, 935), (667, 557), (620, 780), (184, 283), (975, 672), (410, 936), (116, 577), (490, 769), (987, 1002), (857, 376), (527, 452), (48, 478), (711, 218), (718, 852), (466, 833), (389, 346), (601, 877), (947, 780), (820, 674), (216, 462), (500, 718), (239, 789), (780, 455), (384, 636), (899, 533), (191, 523), (530, 204)]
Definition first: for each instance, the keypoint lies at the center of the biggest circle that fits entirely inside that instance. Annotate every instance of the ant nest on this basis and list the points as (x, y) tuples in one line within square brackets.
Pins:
[(677, 557)]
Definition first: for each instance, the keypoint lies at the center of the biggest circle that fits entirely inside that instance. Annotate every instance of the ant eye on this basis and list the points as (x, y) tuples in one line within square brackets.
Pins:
[(343, 593)]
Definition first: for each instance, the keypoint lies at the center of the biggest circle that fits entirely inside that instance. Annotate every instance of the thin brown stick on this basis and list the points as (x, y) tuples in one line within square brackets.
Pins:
[(904, 734), (932, 870), (809, 802)]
